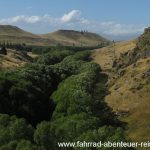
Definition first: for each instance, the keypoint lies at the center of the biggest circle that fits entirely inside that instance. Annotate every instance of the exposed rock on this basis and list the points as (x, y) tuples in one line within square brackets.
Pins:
[(146, 74)]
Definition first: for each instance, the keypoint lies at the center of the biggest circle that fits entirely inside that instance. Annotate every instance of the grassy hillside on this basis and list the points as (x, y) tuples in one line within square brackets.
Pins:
[(142, 50), (131, 92), (64, 37), (71, 37), (13, 30), (105, 56), (129, 85), (13, 34), (13, 59)]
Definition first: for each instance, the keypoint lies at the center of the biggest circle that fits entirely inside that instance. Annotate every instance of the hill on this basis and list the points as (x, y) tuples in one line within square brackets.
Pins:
[(71, 37), (142, 50), (105, 56), (128, 83), (14, 34), (64, 37), (14, 59), (13, 30)]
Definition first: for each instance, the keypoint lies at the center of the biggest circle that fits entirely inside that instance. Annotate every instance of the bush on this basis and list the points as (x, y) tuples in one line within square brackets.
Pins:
[(62, 96), (14, 129)]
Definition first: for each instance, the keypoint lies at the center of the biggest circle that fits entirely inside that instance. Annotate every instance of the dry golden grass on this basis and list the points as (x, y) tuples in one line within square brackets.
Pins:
[(132, 91), (71, 37), (13, 34), (32, 55), (13, 59), (128, 92), (105, 56)]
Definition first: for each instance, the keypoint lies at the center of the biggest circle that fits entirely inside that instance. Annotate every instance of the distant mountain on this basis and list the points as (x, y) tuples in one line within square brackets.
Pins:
[(8, 30), (14, 34), (71, 37)]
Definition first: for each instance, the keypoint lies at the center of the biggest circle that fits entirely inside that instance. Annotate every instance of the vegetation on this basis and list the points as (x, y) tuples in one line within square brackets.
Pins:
[(3, 50), (46, 49), (60, 98)]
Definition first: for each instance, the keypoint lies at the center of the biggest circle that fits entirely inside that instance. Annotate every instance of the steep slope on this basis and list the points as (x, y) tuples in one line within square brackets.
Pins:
[(142, 50), (14, 34), (13, 59), (129, 84), (129, 97), (71, 37), (105, 56)]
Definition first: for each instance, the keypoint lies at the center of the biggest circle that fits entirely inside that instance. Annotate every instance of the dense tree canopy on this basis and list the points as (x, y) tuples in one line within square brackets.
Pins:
[(60, 98)]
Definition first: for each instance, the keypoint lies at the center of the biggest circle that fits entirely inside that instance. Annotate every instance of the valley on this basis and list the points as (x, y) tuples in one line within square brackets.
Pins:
[(74, 75), (74, 93)]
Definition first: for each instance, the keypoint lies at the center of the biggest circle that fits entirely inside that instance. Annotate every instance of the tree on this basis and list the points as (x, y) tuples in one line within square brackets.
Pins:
[(26, 145), (14, 129), (3, 50), (44, 136)]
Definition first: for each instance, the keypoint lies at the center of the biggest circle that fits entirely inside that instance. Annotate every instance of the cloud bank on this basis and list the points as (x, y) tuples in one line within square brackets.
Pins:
[(74, 20)]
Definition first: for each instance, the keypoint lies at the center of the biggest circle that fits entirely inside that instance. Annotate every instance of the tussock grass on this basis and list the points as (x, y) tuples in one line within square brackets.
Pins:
[(129, 91)]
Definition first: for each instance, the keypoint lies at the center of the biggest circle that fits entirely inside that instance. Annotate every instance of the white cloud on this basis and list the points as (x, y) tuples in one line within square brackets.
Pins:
[(74, 20), (21, 18), (72, 16), (112, 28)]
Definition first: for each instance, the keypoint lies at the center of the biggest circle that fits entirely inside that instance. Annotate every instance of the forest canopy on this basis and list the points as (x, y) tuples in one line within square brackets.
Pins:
[(58, 98)]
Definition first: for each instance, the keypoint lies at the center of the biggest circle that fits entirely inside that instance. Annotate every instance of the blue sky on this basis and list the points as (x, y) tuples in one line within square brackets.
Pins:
[(116, 19)]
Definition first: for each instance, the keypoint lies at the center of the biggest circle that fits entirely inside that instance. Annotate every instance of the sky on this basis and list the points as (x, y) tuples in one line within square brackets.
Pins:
[(114, 19)]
